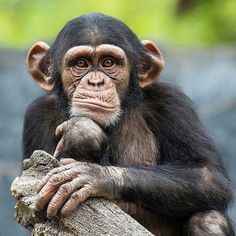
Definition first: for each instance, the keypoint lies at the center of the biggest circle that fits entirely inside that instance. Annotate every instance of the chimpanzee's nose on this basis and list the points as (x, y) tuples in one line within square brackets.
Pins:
[(95, 81)]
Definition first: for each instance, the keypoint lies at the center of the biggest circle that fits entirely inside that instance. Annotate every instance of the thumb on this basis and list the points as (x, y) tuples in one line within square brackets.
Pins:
[(66, 161)]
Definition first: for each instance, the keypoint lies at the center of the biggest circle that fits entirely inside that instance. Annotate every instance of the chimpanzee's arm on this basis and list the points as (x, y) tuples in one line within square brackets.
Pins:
[(41, 119), (176, 189), (191, 176)]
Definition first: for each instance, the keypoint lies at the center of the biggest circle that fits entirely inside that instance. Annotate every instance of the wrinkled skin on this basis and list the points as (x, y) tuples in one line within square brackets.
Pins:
[(95, 79), (81, 137), (72, 184)]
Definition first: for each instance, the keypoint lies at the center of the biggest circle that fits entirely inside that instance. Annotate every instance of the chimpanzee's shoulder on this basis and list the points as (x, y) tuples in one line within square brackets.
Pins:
[(166, 93), (167, 103), (44, 102), (44, 106), (160, 89)]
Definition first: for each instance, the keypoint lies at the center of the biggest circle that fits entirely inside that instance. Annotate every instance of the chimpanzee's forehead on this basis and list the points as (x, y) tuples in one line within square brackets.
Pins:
[(95, 29), (93, 33)]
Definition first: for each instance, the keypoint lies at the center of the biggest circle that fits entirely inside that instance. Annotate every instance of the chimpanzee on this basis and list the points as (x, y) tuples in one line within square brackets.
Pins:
[(154, 157)]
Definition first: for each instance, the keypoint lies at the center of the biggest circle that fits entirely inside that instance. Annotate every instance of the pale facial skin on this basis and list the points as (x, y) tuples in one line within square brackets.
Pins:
[(95, 80)]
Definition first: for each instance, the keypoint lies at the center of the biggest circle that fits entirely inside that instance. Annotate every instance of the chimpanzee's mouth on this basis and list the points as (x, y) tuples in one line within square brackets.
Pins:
[(94, 104)]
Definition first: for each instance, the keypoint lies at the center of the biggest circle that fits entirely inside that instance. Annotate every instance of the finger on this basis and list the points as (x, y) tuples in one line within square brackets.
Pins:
[(45, 179), (66, 161), (61, 196), (59, 147), (60, 128), (75, 199), (50, 173), (51, 187), (42, 198)]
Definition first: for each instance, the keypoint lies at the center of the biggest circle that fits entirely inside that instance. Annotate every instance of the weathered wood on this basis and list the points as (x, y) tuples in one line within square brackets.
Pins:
[(95, 216)]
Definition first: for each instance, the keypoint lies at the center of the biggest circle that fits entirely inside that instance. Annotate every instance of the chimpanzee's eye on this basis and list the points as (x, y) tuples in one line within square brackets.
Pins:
[(108, 62), (81, 63)]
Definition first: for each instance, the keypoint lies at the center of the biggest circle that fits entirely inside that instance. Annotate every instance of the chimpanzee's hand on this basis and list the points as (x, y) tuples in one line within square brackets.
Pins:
[(60, 130), (71, 184), (80, 132)]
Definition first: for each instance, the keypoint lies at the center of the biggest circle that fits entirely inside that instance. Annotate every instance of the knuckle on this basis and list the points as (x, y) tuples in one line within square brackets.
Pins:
[(75, 196), (41, 195), (82, 180), (88, 190), (66, 210), (52, 206), (65, 189), (58, 178), (53, 180), (90, 187), (60, 169), (53, 171)]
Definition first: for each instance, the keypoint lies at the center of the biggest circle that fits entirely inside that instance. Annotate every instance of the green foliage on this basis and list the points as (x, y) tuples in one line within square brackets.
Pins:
[(206, 23)]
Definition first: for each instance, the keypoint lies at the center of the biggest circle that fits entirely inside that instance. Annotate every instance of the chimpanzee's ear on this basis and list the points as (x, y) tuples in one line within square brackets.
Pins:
[(152, 65), (38, 62)]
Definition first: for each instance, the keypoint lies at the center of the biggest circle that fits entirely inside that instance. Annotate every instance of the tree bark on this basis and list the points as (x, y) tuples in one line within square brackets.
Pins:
[(95, 216)]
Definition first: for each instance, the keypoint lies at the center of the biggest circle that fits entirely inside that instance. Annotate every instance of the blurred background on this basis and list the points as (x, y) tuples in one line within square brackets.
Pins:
[(197, 39)]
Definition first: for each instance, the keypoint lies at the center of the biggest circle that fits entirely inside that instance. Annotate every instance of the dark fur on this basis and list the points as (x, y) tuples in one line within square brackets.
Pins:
[(173, 169)]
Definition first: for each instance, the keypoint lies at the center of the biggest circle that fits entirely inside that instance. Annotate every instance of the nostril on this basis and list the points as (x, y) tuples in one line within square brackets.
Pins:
[(100, 84), (96, 83), (91, 83)]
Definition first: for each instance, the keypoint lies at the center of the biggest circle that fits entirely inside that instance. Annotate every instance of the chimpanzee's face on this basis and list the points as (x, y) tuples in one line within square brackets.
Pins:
[(98, 60), (95, 80)]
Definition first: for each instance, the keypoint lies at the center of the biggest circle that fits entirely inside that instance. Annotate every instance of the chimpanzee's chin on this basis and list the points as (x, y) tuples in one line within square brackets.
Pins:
[(101, 117)]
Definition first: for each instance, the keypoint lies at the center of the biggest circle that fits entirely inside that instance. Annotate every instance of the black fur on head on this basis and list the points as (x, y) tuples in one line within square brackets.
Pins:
[(96, 29)]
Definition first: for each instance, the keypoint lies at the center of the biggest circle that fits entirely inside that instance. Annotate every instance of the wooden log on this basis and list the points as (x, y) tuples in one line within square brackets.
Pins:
[(96, 216)]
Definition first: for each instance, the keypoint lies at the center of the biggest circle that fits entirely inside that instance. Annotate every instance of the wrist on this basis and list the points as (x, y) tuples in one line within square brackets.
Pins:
[(115, 181)]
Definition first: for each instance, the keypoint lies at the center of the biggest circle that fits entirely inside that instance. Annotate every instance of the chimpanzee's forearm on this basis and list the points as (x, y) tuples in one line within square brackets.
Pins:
[(173, 190)]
